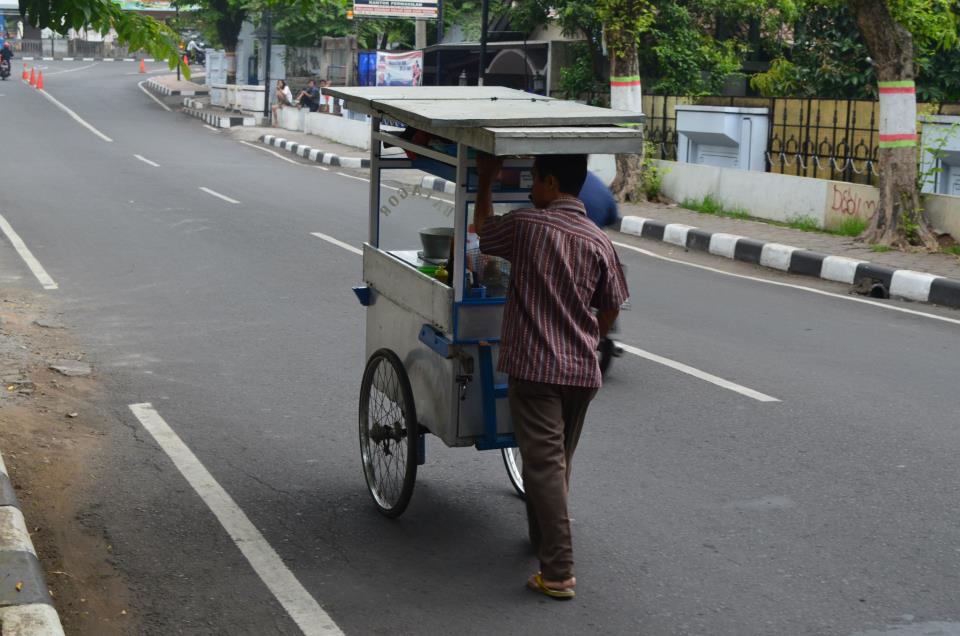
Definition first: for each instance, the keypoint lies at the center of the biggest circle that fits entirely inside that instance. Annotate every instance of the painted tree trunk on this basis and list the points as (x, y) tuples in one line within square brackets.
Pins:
[(899, 218), (625, 94)]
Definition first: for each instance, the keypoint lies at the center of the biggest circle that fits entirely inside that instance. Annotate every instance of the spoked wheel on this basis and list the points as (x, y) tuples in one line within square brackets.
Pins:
[(388, 432), (514, 464)]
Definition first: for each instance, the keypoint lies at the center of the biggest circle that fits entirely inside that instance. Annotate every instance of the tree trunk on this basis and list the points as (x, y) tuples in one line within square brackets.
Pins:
[(899, 219), (625, 94)]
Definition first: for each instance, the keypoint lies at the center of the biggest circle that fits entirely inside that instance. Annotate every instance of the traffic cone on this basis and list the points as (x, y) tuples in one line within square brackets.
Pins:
[(186, 62), (33, 79), (24, 75), (40, 81), (143, 67)]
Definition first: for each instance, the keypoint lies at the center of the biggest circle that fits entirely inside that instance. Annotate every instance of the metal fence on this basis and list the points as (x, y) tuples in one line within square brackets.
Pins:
[(821, 138)]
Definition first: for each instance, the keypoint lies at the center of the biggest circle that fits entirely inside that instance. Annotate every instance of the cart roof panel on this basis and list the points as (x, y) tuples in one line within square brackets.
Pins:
[(432, 107)]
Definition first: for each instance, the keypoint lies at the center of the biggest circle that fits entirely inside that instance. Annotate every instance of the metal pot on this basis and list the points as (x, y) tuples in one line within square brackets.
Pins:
[(436, 242)]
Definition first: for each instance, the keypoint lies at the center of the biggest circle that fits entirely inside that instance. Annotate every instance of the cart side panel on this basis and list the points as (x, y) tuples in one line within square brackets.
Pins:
[(419, 294), (471, 426)]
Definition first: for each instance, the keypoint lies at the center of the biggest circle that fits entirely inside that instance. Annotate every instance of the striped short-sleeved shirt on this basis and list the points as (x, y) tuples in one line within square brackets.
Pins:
[(561, 266)]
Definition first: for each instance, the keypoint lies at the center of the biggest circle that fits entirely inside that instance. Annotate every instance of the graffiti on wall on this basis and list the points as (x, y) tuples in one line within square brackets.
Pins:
[(848, 200)]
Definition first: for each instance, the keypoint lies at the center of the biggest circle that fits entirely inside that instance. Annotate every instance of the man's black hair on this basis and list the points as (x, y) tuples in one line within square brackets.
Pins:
[(570, 171)]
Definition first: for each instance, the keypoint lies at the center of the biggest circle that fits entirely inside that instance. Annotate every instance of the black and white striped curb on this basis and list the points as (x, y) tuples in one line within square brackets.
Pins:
[(315, 154), (438, 184), (85, 59), (25, 605), (161, 89), (900, 283), (196, 109)]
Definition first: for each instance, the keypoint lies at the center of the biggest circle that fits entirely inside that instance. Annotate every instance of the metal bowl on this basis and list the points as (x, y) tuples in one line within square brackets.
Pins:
[(436, 242)]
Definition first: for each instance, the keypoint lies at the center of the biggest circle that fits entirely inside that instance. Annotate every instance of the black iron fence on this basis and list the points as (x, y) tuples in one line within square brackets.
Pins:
[(821, 138)]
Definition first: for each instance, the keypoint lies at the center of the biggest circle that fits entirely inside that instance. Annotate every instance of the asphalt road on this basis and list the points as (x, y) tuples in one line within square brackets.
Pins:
[(698, 510)]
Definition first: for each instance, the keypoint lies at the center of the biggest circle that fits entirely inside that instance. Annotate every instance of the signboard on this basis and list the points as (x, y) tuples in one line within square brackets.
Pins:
[(424, 9), (400, 69)]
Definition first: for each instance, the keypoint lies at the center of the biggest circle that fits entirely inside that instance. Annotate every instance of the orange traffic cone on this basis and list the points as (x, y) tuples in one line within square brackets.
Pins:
[(186, 62), (24, 75), (33, 79), (40, 81), (143, 68)]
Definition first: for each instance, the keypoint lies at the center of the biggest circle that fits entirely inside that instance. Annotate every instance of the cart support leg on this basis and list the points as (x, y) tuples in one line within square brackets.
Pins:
[(421, 449)]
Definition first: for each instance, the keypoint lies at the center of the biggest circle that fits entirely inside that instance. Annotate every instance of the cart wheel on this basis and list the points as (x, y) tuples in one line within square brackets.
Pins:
[(514, 464), (388, 432), (605, 353)]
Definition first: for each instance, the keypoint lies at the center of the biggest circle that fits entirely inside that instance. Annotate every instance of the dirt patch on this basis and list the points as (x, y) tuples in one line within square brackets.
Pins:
[(49, 445)]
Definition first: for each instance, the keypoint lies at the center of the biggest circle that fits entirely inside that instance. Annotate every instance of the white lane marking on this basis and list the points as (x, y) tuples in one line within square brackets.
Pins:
[(147, 161), (218, 195), (350, 176), (209, 127), (72, 70), (27, 256), (75, 116), (820, 292), (395, 189), (279, 156), (337, 242), (153, 97), (697, 373), (302, 608)]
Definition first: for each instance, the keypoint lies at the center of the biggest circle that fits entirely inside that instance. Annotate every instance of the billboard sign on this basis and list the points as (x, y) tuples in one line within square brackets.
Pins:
[(399, 69), (423, 9)]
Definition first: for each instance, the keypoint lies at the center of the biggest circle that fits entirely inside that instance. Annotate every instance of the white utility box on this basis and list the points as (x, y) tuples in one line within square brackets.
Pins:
[(940, 162), (722, 136)]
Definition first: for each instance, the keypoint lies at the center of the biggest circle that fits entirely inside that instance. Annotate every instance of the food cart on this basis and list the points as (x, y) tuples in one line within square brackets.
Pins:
[(432, 336)]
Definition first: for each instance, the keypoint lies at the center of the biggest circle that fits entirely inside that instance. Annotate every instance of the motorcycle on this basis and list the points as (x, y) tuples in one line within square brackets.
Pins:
[(4, 69)]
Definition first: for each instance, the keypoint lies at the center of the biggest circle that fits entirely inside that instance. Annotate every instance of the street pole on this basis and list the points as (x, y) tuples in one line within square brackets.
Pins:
[(439, 39), (266, 64), (177, 10), (485, 18)]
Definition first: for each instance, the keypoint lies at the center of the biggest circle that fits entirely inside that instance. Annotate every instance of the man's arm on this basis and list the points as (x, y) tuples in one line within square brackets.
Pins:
[(488, 167), (605, 320)]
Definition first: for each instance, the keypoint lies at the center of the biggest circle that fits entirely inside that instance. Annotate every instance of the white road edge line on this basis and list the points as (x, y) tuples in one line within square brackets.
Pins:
[(73, 70), (27, 256), (350, 176), (75, 116), (218, 195), (338, 243), (298, 603), (679, 366), (153, 97), (275, 154), (209, 127), (147, 161), (790, 285), (697, 373)]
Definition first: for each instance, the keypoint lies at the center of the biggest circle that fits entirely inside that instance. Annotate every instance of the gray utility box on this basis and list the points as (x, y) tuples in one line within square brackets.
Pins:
[(940, 162), (726, 137)]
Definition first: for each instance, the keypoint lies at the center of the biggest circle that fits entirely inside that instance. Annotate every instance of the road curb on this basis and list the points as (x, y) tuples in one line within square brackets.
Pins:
[(25, 605), (899, 283), (195, 109), (160, 89), (84, 59), (314, 154)]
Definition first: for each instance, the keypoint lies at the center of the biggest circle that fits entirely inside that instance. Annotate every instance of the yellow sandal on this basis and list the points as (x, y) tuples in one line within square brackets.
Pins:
[(537, 584)]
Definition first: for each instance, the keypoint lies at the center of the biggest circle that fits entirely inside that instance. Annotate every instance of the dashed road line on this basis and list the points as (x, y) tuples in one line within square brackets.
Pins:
[(337, 242), (147, 161), (27, 256), (218, 195), (298, 603), (75, 116)]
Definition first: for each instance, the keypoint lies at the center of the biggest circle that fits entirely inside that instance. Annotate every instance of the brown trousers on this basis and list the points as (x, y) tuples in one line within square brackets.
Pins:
[(547, 420)]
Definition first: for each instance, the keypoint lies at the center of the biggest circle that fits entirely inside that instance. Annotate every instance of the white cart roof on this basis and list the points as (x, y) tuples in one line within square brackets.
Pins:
[(499, 120)]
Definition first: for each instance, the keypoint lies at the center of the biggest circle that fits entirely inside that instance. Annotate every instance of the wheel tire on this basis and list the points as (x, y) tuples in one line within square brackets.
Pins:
[(605, 354), (388, 433), (514, 466)]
